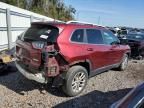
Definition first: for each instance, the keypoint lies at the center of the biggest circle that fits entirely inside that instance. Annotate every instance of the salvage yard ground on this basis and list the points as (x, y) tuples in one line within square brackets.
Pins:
[(101, 91)]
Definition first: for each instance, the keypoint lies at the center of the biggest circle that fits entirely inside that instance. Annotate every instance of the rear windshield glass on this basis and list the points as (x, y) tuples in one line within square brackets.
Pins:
[(41, 33), (135, 36)]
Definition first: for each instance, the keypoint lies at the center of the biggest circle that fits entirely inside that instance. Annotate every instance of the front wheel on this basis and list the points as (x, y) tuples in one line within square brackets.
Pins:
[(124, 63), (76, 80)]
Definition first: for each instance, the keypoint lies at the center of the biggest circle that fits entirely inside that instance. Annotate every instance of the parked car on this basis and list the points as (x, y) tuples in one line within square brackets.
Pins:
[(136, 30), (119, 32), (136, 42), (114, 31), (122, 33), (67, 54), (142, 30), (134, 99)]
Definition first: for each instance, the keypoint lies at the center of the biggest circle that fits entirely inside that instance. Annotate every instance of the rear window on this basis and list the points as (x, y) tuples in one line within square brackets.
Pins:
[(78, 36), (41, 33)]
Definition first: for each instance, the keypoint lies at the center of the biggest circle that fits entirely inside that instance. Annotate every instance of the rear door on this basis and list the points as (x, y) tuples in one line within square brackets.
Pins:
[(115, 52), (97, 51)]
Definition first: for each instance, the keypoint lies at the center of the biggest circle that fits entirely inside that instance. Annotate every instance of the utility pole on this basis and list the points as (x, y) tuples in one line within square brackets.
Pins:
[(77, 16), (99, 19)]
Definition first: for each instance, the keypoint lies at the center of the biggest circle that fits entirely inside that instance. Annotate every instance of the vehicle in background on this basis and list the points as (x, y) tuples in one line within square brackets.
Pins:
[(113, 30), (122, 33), (136, 43), (142, 30), (136, 30), (119, 32), (67, 54), (134, 99)]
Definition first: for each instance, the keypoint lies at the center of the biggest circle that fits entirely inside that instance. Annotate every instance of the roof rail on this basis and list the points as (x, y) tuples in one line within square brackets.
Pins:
[(81, 22)]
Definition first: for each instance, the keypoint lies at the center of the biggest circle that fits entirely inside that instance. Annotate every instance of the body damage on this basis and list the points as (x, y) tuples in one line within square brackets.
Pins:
[(50, 58)]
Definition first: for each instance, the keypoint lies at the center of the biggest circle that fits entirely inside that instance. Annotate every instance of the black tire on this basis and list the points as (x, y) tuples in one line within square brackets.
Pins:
[(124, 63), (70, 76)]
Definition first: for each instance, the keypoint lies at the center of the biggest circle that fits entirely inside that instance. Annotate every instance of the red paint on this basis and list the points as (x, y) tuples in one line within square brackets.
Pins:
[(98, 55)]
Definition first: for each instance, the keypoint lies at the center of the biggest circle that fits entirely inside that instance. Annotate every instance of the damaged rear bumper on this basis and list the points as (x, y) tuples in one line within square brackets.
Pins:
[(36, 77)]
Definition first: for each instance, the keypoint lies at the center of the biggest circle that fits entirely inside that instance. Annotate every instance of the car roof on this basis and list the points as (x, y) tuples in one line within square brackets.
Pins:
[(63, 24)]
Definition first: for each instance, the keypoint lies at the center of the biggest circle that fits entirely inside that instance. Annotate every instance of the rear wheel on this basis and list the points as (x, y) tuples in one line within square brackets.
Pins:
[(76, 80), (124, 63)]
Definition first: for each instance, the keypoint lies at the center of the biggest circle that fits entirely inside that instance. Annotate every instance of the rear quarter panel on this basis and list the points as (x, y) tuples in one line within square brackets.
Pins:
[(125, 49), (71, 51)]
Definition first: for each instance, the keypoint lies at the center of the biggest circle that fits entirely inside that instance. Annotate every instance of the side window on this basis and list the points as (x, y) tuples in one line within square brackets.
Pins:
[(108, 37), (94, 36), (78, 36)]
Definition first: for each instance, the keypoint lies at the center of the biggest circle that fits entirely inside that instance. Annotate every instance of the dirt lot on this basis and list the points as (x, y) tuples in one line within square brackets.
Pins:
[(101, 91)]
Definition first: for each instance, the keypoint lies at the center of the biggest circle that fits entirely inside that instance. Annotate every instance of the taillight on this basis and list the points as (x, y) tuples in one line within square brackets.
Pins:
[(38, 44), (52, 70)]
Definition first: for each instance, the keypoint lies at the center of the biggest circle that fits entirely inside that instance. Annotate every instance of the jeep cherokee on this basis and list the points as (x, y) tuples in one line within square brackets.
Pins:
[(67, 54)]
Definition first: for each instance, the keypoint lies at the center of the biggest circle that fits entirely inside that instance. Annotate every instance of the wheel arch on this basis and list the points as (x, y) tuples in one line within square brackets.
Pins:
[(128, 53), (84, 63)]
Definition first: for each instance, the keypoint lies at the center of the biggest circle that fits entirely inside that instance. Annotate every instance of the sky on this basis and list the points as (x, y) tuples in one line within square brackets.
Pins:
[(110, 12)]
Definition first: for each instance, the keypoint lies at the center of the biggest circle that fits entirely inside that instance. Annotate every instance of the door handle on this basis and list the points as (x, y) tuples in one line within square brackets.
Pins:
[(90, 49)]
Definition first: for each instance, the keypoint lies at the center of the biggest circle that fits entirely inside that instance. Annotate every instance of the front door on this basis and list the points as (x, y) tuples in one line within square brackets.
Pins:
[(115, 53), (96, 49)]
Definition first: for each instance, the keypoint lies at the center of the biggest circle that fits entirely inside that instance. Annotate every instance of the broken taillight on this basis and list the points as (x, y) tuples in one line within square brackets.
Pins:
[(38, 44), (52, 69)]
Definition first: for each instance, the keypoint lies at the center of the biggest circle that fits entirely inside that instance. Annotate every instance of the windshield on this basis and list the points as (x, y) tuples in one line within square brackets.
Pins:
[(41, 33), (136, 36), (123, 32)]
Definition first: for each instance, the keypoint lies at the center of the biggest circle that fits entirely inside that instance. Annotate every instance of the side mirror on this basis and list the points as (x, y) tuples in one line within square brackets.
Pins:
[(115, 43)]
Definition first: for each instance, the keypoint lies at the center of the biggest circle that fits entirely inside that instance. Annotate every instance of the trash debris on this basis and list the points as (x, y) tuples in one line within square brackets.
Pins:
[(6, 62), (7, 55)]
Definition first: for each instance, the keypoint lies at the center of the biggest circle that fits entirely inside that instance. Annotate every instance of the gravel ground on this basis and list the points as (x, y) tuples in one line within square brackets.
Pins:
[(101, 91)]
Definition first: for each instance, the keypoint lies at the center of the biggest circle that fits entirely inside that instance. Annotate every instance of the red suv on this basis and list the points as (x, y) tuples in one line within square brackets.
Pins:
[(67, 54)]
